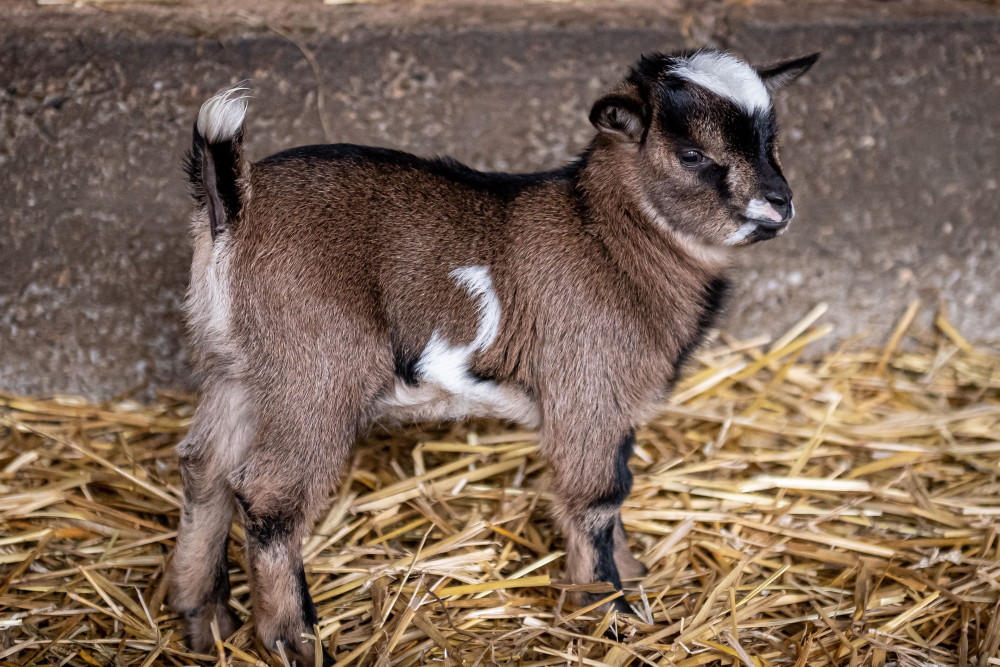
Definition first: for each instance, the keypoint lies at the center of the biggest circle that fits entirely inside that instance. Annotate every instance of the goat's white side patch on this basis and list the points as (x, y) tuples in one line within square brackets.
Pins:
[(758, 209), (727, 77), (221, 117), (477, 280), (447, 390), (448, 365)]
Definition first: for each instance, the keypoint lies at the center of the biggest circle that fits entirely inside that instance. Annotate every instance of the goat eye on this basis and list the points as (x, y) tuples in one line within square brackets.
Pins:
[(692, 159)]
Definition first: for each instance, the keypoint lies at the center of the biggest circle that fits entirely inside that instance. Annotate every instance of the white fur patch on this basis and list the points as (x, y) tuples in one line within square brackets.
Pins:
[(218, 305), (208, 300), (477, 280), (447, 390), (448, 365), (758, 209), (727, 77), (740, 235), (221, 117)]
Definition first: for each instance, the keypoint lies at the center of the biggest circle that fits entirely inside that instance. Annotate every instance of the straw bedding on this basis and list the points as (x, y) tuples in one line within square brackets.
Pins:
[(840, 511)]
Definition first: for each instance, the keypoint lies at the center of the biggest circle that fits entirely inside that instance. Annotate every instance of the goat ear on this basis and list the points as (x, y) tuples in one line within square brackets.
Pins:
[(778, 75), (619, 116)]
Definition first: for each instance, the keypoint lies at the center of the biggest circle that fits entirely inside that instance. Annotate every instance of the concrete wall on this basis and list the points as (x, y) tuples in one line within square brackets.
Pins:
[(891, 145)]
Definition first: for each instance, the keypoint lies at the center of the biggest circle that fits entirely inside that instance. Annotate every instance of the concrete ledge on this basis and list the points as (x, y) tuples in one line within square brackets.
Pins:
[(892, 145)]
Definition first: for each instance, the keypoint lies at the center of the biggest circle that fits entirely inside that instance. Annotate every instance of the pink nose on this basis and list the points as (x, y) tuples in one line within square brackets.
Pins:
[(770, 212), (765, 211)]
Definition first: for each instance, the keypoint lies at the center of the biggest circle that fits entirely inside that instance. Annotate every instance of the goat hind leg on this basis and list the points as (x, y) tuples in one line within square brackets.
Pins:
[(200, 578), (296, 459)]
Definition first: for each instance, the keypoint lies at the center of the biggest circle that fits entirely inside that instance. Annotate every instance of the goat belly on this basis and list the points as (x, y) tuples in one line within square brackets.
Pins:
[(430, 401)]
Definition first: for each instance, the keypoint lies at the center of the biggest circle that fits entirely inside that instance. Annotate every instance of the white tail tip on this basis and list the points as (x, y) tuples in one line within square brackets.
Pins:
[(221, 117)]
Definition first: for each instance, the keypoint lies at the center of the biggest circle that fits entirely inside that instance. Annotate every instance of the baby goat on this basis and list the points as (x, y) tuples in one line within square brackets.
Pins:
[(336, 285)]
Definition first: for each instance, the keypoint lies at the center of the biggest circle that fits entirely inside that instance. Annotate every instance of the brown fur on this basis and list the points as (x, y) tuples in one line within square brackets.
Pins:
[(340, 263)]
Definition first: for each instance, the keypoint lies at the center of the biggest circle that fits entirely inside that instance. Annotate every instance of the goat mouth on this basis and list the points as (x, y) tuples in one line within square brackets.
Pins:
[(763, 224), (765, 233)]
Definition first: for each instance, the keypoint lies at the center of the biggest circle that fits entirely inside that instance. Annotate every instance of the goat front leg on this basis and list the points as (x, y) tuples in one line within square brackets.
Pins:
[(591, 479)]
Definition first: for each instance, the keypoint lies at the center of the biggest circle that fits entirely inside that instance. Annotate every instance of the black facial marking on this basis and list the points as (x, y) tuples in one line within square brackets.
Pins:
[(715, 176), (622, 483), (753, 136), (405, 366), (748, 134), (676, 108), (766, 129)]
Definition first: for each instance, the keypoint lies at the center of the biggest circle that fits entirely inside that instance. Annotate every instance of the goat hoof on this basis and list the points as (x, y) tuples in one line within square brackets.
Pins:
[(631, 568), (618, 605), (199, 626), (303, 654), (621, 606)]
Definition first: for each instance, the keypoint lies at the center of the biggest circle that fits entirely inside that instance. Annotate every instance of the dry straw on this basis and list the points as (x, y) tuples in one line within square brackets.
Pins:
[(834, 512)]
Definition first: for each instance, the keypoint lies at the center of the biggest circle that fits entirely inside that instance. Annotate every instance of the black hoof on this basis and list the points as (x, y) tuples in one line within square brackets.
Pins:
[(621, 606), (618, 604)]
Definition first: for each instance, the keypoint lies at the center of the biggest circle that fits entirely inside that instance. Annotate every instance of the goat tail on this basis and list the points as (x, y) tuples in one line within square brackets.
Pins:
[(216, 167)]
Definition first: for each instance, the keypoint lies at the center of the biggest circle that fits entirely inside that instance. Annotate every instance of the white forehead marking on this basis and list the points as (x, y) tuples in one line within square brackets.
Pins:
[(727, 77)]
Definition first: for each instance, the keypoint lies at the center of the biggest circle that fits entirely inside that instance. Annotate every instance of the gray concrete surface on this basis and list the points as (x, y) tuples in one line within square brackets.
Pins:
[(891, 145)]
